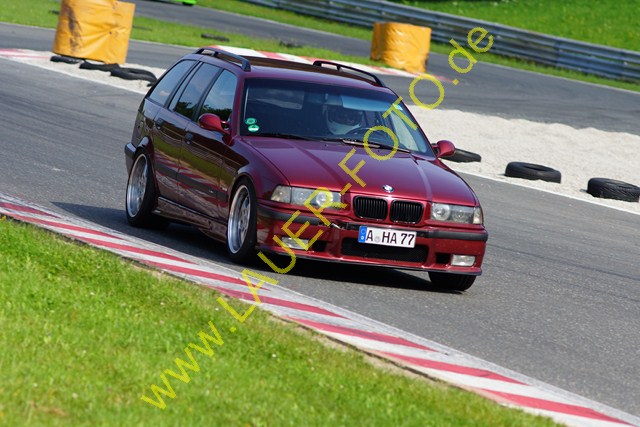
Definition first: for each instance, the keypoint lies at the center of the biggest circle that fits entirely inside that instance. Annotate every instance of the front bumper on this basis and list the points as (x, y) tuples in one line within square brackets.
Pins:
[(338, 242)]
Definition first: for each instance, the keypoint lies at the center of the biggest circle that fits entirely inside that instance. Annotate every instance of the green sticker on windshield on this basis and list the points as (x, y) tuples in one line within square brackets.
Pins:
[(253, 128), (250, 121)]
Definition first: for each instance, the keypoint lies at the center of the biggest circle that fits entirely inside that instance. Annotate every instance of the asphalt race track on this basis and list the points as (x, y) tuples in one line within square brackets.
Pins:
[(560, 297)]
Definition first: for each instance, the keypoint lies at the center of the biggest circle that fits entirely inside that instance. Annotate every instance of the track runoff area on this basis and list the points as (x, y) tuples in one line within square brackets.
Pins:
[(401, 348)]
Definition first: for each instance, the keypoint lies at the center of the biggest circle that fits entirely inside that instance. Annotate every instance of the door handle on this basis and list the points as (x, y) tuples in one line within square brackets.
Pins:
[(159, 123), (188, 137)]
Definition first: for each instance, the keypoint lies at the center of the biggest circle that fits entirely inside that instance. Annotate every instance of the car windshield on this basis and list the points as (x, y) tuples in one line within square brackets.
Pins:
[(301, 110)]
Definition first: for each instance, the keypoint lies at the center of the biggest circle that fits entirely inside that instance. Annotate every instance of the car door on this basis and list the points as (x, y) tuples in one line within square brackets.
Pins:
[(166, 128), (202, 157), (171, 123)]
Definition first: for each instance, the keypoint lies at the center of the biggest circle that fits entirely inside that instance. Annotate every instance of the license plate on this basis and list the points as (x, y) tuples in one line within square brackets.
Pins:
[(387, 237)]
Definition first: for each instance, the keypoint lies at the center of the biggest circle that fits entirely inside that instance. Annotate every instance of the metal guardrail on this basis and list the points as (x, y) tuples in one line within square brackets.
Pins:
[(559, 52)]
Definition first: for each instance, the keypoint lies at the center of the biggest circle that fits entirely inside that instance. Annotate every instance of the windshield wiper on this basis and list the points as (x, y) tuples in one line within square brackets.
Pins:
[(360, 143), (390, 147), (284, 136), (349, 141)]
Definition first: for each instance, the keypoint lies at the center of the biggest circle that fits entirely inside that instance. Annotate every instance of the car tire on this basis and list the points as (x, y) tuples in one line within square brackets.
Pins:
[(242, 223), (463, 156), (134, 74), (86, 65), (611, 189), (141, 195), (451, 281), (532, 172), (66, 59)]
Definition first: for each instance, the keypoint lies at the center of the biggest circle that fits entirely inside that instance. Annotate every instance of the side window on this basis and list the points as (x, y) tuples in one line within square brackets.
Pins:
[(219, 100), (169, 81), (187, 102)]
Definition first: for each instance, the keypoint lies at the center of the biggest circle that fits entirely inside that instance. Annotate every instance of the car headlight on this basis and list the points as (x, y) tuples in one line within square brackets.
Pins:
[(456, 213), (299, 195)]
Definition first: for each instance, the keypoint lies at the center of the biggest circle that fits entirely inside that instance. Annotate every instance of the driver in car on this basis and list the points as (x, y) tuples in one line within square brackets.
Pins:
[(341, 120)]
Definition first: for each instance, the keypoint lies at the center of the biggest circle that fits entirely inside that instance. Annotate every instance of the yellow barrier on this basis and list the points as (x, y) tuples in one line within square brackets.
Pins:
[(403, 46), (94, 29)]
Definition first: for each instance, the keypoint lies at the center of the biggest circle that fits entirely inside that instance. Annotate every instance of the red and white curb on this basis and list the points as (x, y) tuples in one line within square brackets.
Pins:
[(415, 353), (24, 55)]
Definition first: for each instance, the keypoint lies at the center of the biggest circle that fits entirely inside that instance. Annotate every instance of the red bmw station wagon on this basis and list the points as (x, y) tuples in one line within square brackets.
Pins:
[(319, 161)]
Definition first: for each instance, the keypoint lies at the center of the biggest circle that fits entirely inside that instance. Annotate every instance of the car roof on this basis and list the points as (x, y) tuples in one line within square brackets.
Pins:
[(320, 72)]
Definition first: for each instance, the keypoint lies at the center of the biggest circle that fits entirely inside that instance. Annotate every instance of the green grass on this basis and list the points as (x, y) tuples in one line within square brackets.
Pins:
[(303, 21), (84, 334), (610, 23)]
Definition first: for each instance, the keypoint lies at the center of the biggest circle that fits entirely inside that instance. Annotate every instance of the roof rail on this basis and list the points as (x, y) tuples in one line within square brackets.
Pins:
[(320, 63), (219, 53)]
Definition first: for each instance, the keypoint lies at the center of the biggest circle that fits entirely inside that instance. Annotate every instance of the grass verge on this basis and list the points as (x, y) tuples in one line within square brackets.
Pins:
[(84, 334), (600, 22)]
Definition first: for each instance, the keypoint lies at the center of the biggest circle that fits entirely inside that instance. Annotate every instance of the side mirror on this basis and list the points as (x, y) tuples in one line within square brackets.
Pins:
[(444, 148), (212, 122)]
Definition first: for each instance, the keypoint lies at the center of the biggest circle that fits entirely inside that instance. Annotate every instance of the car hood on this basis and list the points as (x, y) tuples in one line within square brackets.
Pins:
[(314, 164)]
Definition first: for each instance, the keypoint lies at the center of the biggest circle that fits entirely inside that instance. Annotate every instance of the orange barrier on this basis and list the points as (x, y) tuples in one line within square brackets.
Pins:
[(94, 29), (403, 46)]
